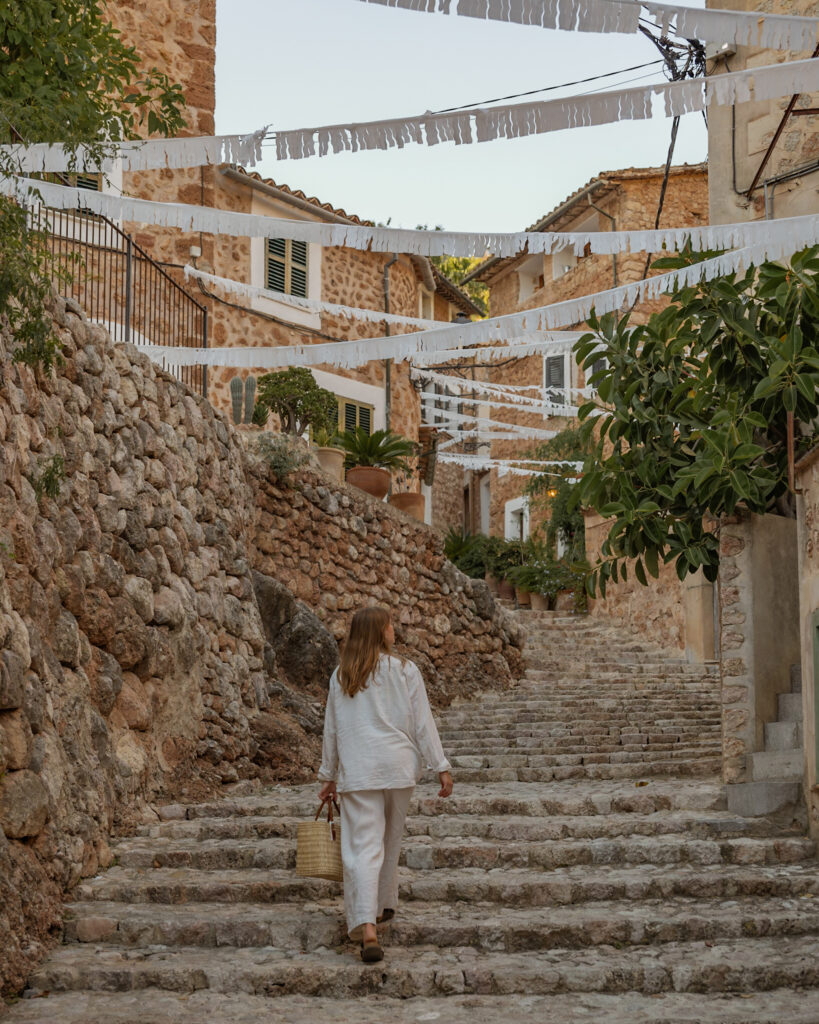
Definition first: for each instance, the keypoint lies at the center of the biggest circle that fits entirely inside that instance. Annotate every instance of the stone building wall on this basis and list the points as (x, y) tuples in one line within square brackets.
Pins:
[(739, 136), (759, 630), (632, 201), (808, 547), (337, 550), (143, 652), (180, 38)]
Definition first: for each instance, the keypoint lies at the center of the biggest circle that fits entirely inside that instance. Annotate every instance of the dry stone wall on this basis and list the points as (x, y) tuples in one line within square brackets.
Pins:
[(337, 550), (140, 653)]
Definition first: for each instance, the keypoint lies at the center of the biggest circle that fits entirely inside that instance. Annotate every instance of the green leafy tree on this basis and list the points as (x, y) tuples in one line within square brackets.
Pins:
[(297, 400), (695, 411), (554, 491), (65, 76), (456, 269)]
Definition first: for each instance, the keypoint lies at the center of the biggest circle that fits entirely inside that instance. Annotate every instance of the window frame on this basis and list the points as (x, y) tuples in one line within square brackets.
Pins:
[(288, 264)]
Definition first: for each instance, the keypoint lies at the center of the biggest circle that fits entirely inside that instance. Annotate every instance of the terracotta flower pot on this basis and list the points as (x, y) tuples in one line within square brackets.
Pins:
[(506, 591), (372, 479), (412, 503), (523, 597), (331, 461), (492, 582), (564, 602), (540, 603)]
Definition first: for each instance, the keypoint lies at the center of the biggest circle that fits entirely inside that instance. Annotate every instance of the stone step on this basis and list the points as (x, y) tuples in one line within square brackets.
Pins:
[(600, 724), (738, 965), (639, 770), (515, 828), (551, 798), (789, 707), (485, 927), (778, 766), (155, 1006), (551, 743), (781, 736), (643, 754), (513, 887), (427, 853)]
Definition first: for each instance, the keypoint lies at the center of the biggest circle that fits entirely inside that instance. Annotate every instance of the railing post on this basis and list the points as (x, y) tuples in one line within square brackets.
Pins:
[(204, 345), (129, 259)]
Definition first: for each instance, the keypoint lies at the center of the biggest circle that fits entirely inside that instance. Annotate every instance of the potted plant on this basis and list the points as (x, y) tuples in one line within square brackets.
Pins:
[(411, 502), (371, 458), (501, 560), (525, 580), (329, 452), (493, 546), (295, 397)]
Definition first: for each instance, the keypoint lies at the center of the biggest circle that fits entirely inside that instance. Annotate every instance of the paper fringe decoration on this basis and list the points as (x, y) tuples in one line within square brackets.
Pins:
[(514, 430), (356, 353), (512, 398), (544, 409), (491, 353), (149, 155), (311, 305), (786, 234), (756, 28), (513, 121), (485, 462)]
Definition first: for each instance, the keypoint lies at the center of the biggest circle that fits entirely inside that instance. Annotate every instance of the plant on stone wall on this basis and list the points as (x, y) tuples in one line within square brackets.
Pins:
[(281, 454), (700, 411), (48, 481), (467, 551), (65, 76), (295, 397)]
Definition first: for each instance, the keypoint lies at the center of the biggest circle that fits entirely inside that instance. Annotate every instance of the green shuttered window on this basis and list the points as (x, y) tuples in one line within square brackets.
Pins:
[(286, 266)]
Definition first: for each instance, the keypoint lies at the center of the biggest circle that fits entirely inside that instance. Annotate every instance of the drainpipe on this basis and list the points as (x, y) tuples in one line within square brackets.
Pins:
[(388, 362), (609, 217)]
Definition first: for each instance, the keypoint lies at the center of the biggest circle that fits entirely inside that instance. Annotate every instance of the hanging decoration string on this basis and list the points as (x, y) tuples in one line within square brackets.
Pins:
[(788, 234), (512, 121), (755, 28), (138, 155)]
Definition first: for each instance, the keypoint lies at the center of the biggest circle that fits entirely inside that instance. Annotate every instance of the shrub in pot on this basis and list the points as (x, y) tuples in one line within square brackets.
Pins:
[(371, 458), (467, 551), (295, 397)]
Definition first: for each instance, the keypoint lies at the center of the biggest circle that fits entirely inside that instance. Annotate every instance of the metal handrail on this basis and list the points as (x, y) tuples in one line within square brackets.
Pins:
[(121, 286)]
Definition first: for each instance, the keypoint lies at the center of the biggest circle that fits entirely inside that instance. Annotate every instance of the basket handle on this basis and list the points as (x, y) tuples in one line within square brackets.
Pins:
[(331, 802)]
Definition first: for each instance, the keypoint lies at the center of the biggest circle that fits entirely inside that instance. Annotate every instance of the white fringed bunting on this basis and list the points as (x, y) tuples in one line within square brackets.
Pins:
[(151, 154), (535, 117), (786, 235), (754, 28)]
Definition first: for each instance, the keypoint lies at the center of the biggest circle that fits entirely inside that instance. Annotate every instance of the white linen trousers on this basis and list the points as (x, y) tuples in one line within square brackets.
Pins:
[(372, 826), (376, 746)]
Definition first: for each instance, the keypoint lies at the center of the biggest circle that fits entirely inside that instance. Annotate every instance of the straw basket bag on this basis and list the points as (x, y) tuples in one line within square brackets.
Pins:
[(318, 846)]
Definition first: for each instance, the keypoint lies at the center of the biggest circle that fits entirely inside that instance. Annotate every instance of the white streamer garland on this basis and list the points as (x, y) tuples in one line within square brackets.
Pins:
[(147, 155), (535, 117), (356, 353), (789, 234), (544, 409), (756, 28), (312, 305), (512, 430)]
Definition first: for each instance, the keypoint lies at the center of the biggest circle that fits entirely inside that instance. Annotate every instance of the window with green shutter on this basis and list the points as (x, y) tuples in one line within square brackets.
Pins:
[(554, 378), (286, 266), (354, 414)]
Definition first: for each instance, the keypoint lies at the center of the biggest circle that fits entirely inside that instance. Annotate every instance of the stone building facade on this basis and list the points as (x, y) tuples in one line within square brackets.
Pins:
[(180, 38), (615, 200), (763, 158)]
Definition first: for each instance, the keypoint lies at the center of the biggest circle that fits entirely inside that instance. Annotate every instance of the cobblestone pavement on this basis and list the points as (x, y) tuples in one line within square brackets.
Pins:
[(586, 869)]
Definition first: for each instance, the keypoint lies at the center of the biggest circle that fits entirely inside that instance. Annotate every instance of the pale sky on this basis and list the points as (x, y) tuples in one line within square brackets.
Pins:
[(300, 63)]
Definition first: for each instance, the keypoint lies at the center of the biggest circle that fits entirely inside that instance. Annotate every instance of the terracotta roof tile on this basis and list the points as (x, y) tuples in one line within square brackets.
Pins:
[(312, 200)]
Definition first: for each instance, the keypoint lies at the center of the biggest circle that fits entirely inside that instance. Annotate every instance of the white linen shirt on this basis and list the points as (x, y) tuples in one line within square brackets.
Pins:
[(384, 736)]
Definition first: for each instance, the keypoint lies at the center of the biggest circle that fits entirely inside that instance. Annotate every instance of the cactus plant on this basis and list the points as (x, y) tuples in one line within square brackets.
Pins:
[(236, 399), (250, 398)]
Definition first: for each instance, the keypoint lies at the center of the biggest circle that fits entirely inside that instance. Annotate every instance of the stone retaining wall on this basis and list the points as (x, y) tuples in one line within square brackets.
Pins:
[(134, 656)]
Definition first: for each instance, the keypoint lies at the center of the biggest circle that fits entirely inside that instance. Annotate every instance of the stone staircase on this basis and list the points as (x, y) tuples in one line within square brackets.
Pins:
[(585, 869)]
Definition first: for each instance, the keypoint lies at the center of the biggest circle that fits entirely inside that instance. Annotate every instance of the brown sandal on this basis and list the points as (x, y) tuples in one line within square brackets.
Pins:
[(371, 952), (384, 918)]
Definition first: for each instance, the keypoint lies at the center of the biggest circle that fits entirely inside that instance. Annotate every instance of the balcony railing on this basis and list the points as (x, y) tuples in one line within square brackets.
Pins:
[(121, 287)]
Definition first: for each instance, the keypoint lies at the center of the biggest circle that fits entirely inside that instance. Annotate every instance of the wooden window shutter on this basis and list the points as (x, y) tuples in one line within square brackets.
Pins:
[(556, 378), (286, 266), (365, 418), (350, 416), (298, 269)]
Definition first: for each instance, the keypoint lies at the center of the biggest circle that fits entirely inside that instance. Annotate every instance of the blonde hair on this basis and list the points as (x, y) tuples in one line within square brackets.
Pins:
[(365, 644)]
